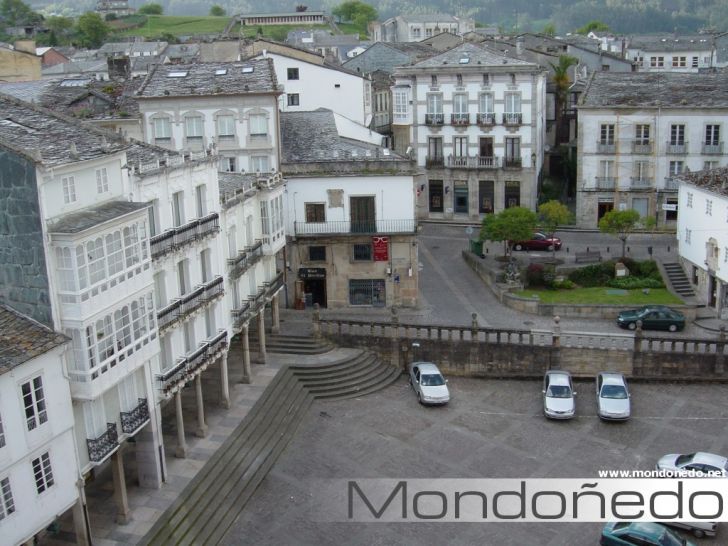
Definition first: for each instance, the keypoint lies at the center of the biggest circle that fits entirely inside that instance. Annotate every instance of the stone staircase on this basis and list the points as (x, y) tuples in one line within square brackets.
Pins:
[(211, 502), (292, 344), (678, 280)]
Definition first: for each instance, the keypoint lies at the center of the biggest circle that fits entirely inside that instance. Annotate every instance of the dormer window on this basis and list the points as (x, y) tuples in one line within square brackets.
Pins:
[(459, 79), (433, 81)]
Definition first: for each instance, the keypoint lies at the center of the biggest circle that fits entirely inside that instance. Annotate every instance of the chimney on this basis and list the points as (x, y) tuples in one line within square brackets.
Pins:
[(27, 46), (119, 68), (519, 46)]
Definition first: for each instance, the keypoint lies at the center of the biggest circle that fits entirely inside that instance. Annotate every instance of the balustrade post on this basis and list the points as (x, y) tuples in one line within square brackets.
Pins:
[(719, 356), (316, 321), (474, 327), (555, 360), (637, 346), (181, 450)]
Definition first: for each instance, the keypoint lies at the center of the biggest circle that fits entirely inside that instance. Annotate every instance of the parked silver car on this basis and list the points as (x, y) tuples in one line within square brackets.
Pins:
[(428, 383), (613, 399), (675, 463), (558, 395)]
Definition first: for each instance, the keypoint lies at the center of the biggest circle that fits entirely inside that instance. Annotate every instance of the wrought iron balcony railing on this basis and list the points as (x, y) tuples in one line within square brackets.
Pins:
[(606, 147), (606, 182), (345, 227), (434, 161), (181, 307), (676, 148), (245, 260), (101, 447), (133, 420), (460, 119), (186, 366), (641, 146), (487, 118), (274, 284), (241, 314), (641, 183), (512, 118), (512, 162), (712, 148), (175, 238), (434, 119), (671, 183)]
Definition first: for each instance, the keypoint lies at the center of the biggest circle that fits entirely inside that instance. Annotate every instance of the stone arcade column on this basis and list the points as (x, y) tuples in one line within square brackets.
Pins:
[(224, 386), (201, 431), (275, 314), (149, 450), (181, 451), (123, 515), (80, 523), (261, 336), (247, 373)]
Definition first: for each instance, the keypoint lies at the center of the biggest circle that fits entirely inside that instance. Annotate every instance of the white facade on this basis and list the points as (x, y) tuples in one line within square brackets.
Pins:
[(672, 54), (702, 244), (476, 127), (415, 28), (38, 465), (309, 86), (629, 157), (242, 129)]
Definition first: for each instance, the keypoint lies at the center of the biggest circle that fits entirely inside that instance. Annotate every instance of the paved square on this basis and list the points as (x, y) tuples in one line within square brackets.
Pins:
[(491, 429)]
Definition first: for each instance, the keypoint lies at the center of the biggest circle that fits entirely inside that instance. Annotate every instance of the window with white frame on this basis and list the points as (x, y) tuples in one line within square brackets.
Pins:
[(131, 246), (293, 99), (679, 62), (606, 134), (657, 62), (160, 289), (102, 180), (709, 207), (695, 62), (122, 320), (193, 127), (259, 163), (162, 128), (401, 103), (69, 189), (676, 167), (2, 433), (725, 254), (64, 266), (183, 276), (460, 104), (201, 200), (434, 103), (96, 262), (34, 403), (677, 134), (712, 135), (7, 505), (178, 208), (485, 103), (642, 134), (258, 125), (115, 253), (128, 398), (513, 103), (606, 168), (689, 203), (206, 265), (709, 165), (688, 235), (226, 127), (188, 331)]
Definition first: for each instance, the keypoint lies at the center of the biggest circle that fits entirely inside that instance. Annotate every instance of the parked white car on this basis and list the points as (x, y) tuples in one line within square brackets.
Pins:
[(558, 395), (613, 399), (428, 383)]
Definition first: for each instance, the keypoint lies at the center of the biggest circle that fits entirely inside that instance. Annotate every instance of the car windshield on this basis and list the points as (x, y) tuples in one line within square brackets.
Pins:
[(558, 391), (614, 391), (669, 539), (432, 380), (684, 459)]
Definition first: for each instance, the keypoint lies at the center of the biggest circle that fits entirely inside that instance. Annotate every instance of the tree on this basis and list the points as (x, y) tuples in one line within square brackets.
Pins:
[(549, 29), (551, 215), (16, 12), (512, 224), (151, 9), (92, 30), (300, 8), (592, 26), (620, 223), (356, 12), (60, 27), (562, 82), (217, 11)]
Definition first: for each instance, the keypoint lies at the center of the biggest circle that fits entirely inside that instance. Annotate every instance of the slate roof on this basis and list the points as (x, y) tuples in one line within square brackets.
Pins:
[(715, 180), (94, 216), (670, 42), (478, 55), (182, 51), (128, 48), (46, 137), (233, 186), (76, 67), (22, 339), (388, 55), (201, 79), (313, 137), (653, 89), (140, 152)]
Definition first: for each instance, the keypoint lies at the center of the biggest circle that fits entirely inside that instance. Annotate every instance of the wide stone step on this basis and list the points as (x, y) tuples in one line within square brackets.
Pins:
[(306, 374), (354, 386), (349, 376), (382, 381)]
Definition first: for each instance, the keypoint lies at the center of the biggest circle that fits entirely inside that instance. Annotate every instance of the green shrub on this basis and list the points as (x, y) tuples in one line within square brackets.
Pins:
[(566, 284), (534, 275), (631, 265), (593, 275), (631, 283), (649, 269)]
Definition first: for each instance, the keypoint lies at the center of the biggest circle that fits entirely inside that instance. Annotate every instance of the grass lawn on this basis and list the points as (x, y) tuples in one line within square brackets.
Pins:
[(603, 295), (276, 32), (350, 28), (157, 25)]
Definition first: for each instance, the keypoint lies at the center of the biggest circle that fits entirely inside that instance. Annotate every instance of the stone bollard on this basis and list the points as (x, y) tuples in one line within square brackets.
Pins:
[(555, 357), (316, 319), (719, 356), (474, 326), (557, 331)]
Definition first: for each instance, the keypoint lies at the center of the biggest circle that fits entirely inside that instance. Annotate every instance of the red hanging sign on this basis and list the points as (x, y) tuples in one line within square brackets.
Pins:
[(381, 249)]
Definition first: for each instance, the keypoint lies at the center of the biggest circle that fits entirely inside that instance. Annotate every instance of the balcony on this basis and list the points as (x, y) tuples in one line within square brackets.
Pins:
[(434, 162), (461, 119), (671, 184), (606, 147), (486, 119), (241, 314), (199, 297), (133, 420), (345, 227), (245, 260), (641, 146), (472, 162), (512, 118), (676, 148), (272, 286), (103, 446), (512, 162), (434, 119), (641, 183), (606, 182), (178, 237), (193, 363), (712, 148)]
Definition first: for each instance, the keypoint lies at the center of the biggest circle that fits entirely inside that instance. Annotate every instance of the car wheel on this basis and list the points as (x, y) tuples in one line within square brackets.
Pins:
[(419, 397), (632, 326), (672, 327), (550, 248), (698, 533), (518, 247)]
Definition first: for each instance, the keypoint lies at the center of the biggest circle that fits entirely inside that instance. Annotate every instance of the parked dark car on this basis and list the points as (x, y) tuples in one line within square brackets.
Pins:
[(653, 317), (642, 533), (539, 241)]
